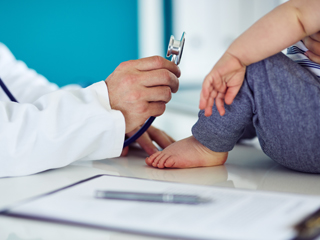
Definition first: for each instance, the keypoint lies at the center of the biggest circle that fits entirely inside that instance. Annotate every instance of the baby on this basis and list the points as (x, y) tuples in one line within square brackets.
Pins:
[(253, 83)]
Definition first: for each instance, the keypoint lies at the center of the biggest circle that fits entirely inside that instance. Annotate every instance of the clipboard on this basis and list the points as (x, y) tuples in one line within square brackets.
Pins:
[(233, 214)]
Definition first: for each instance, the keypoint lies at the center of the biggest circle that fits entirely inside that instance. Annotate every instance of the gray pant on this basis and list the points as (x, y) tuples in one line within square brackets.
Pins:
[(282, 101)]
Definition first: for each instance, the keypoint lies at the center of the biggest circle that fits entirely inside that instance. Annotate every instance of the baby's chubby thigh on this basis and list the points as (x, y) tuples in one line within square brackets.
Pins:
[(287, 112)]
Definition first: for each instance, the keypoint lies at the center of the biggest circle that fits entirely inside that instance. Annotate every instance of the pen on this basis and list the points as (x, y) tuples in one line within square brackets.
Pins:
[(309, 228), (152, 197)]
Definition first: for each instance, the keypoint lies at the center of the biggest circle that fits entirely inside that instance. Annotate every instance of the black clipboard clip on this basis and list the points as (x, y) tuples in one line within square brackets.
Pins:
[(308, 228)]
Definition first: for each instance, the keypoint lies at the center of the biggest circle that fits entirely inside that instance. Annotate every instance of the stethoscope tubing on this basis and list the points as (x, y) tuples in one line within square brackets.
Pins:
[(6, 90), (138, 134)]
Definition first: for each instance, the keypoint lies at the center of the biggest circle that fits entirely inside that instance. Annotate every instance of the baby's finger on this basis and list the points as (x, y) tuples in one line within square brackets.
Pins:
[(231, 94), (208, 109), (205, 95), (203, 101), (206, 87), (220, 104)]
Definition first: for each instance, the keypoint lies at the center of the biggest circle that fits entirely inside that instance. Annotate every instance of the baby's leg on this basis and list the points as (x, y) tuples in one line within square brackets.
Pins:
[(281, 98), (287, 112), (212, 137)]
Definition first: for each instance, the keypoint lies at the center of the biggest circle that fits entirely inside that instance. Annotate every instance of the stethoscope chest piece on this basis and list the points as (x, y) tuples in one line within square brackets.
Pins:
[(175, 48)]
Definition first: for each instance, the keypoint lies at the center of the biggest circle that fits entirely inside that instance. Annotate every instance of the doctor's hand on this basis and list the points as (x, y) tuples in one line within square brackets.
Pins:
[(147, 138), (141, 88), (313, 44)]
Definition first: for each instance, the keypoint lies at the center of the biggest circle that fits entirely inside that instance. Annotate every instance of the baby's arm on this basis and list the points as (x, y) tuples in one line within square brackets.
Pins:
[(282, 27)]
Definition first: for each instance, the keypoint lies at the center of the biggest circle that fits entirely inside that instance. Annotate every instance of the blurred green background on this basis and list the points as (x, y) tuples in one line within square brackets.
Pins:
[(71, 41)]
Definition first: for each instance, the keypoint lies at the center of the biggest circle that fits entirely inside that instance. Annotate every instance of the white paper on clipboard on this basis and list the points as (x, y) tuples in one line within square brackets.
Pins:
[(233, 214)]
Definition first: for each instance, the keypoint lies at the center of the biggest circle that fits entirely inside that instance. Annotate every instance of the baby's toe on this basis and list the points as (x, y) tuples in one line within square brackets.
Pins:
[(161, 163), (170, 162), (150, 160), (157, 159)]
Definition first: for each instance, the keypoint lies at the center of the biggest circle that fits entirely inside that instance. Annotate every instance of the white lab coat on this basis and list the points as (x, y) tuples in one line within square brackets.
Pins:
[(52, 127)]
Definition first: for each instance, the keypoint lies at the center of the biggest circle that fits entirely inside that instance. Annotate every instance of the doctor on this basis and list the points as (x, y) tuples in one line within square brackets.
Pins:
[(52, 127)]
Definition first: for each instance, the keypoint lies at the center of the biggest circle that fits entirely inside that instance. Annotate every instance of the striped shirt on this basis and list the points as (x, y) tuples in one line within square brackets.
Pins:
[(296, 53)]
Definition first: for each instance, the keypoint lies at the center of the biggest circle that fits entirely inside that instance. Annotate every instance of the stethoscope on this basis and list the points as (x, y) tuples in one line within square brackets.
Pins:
[(175, 49)]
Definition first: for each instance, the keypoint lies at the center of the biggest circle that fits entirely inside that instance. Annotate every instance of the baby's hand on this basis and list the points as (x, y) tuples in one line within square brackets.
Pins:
[(313, 44), (222, 84)]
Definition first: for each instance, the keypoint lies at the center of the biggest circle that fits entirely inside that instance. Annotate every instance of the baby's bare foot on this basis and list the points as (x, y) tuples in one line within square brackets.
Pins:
[(186, 153)]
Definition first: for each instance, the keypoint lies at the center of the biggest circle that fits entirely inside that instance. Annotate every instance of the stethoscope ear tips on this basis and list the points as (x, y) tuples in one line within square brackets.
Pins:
[(175, 48)]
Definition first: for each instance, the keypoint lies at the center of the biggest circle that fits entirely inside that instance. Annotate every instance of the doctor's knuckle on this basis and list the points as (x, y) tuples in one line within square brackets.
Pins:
[(165, 76), (158, 61), (167, 93)]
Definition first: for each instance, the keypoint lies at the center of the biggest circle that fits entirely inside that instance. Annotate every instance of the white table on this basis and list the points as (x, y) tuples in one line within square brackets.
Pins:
[(246, 168)]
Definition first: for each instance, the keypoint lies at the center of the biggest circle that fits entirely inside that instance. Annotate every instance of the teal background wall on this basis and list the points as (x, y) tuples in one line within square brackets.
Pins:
[(71, 41)]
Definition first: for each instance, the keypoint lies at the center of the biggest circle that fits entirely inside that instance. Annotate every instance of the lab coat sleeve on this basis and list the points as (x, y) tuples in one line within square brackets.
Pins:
[(57, 129), (24, 83)]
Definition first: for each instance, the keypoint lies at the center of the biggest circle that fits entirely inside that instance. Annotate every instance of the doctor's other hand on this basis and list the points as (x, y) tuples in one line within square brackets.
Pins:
[(222, 84), (312, 42), (141, 88), (147, 138)]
